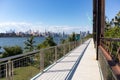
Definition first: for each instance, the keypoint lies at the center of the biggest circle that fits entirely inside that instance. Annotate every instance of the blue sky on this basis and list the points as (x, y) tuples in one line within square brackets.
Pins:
[(52, 15)]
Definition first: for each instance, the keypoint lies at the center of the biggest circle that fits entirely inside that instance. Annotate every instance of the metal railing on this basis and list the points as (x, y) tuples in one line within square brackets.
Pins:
[(109, 58), (27, 65), (112, 46), (105, 67)]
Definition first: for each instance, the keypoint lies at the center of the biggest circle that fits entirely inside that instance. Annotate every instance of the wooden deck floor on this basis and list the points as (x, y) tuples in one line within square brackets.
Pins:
[(68, 67)]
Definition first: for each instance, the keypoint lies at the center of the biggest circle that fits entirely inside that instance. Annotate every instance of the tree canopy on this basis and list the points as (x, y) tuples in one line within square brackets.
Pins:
[(29, 44), (72, 37), (49, 41), (112, 28)]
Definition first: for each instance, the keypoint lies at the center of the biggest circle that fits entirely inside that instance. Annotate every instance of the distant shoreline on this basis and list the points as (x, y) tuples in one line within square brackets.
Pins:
[(12, 41), (18, 36)]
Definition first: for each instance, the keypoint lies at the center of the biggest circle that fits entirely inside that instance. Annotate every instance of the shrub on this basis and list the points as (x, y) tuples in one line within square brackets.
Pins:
[(13, 50)]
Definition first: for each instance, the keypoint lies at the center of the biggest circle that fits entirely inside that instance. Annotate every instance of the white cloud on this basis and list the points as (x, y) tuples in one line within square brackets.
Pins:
[(23, 26)]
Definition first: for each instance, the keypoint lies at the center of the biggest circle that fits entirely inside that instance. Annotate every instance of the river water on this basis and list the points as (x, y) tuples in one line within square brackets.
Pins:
[(12, 41)]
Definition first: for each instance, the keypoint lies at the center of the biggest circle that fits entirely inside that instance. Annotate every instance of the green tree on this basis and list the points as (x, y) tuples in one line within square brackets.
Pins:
[(29, 44), (49, 56), (72, 37), (114, 32), (47, 43), (107, 24), (11, 51), (116, 20), (62, 41), (112, 28)]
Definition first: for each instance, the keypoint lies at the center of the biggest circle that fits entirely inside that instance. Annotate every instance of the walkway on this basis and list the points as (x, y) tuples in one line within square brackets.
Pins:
[(88, 68), (77, 65)]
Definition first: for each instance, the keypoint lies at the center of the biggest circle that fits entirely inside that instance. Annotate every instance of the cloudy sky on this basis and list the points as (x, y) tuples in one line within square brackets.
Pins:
[(51, 15)]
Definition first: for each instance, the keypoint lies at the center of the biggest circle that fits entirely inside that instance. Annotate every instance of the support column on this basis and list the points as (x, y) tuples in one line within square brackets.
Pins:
[(100, 21), (94, 20)]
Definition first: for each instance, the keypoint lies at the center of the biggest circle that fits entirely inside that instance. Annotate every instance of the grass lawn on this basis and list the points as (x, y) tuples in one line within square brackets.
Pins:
[(24, 73)]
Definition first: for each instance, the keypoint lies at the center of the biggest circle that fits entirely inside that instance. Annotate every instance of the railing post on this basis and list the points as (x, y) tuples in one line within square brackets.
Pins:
[(81, 41), (64, 49), (72, 45), (41, 60), (9, 69), (110, 45), (78, 43), (69, 46), (75, 44), (6, 71), (12, 66), (55, 53)]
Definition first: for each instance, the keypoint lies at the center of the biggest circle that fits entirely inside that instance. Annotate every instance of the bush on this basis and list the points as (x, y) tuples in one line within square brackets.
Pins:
[(13, 50)]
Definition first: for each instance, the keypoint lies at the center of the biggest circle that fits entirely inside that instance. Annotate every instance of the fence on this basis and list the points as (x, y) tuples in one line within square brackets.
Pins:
[(105, 67), (108, 56), (112, 46), (27, 65)]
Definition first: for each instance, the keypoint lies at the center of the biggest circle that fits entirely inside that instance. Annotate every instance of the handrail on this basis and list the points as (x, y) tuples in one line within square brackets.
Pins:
[(36, 60), (111, 39), (112, 45), (110, 48), (30, 53), (108, 67), (19, 55)]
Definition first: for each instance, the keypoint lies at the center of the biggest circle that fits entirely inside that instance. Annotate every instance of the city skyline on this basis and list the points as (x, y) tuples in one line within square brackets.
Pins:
[(23, 27), (52, 15)]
